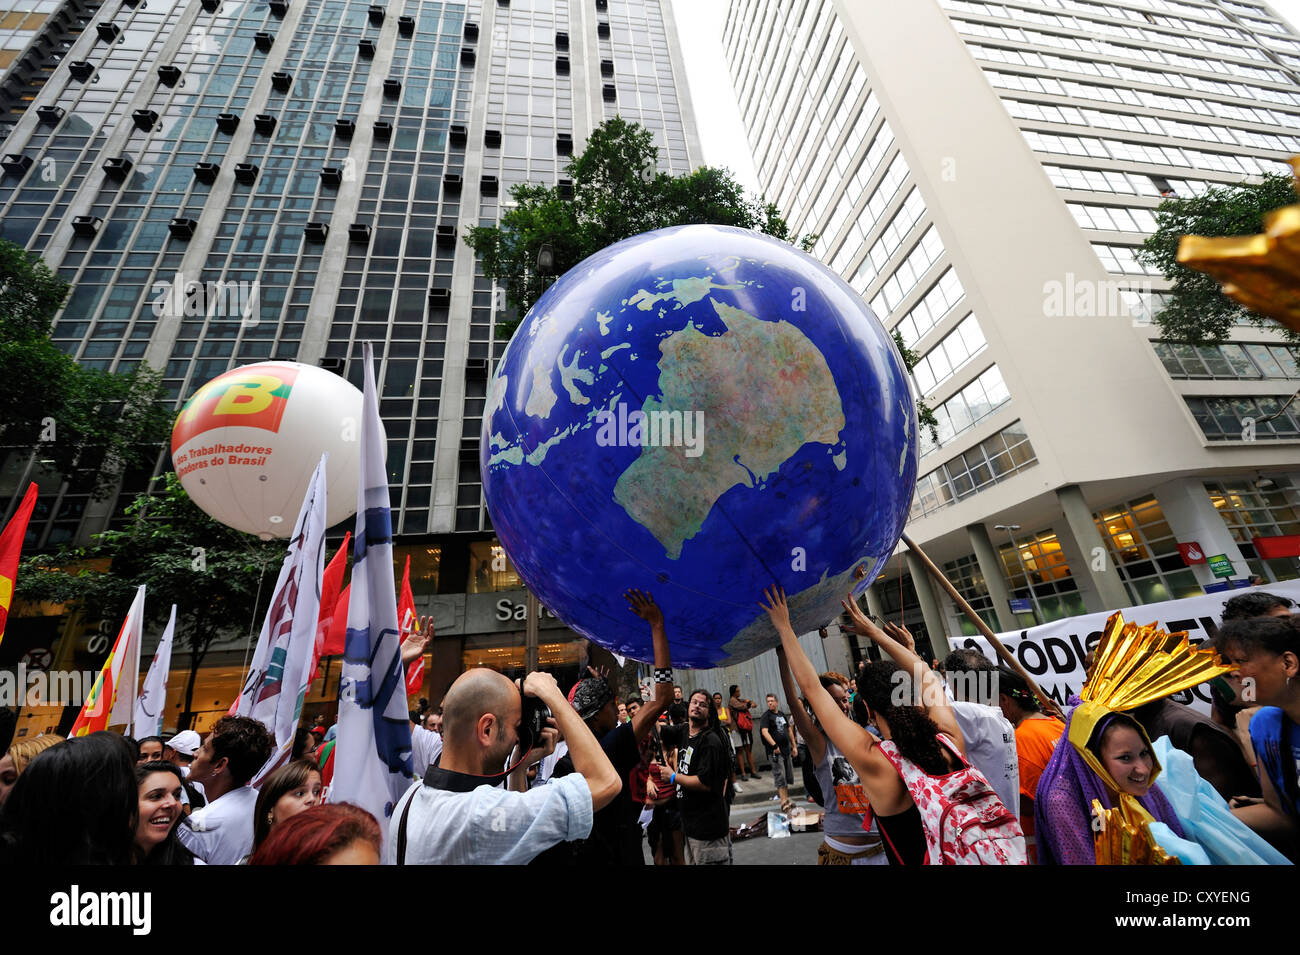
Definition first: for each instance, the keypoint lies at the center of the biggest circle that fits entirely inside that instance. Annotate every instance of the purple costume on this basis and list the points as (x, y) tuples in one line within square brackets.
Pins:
[(1063, 805)]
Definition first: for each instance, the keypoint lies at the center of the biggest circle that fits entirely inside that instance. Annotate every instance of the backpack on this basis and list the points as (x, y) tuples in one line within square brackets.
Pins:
[(965, 822)]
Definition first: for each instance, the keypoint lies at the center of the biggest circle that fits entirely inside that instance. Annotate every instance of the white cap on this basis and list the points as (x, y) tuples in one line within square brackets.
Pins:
[(186, 742)]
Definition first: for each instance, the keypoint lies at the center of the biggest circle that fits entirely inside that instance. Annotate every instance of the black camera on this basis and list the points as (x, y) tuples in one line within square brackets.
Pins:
[(533, 721)]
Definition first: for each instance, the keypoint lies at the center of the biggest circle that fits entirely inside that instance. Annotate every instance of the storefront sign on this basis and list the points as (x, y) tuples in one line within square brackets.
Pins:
[(1192, 553), (1220, 565)]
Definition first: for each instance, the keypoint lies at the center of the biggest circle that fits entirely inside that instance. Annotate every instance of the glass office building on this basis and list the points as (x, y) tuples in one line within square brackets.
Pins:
[(311, 168), (983, 174)]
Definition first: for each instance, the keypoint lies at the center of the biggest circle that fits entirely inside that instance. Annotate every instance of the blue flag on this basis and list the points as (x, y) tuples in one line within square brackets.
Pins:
[(372, 758)]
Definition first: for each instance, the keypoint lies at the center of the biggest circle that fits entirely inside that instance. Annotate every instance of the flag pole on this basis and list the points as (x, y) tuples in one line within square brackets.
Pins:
[(1003, 653)]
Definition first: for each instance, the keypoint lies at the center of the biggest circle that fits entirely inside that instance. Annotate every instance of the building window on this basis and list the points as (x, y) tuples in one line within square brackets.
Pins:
[(1229, 360), (1250, 511), (967, 408), (993, 460), (1247, 418), (426, 560), (490, 570), (965, 574), (1144, 550), (1036, 570)]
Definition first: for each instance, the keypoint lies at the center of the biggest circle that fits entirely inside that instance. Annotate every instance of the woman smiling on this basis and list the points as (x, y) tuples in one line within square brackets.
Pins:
[(159, 812)]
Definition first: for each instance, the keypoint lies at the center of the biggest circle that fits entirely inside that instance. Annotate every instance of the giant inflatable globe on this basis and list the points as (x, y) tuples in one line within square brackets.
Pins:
[(698, 412), (246, 443)]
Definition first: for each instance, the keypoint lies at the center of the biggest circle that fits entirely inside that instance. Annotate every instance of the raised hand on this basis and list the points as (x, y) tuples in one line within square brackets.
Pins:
[(902, 635), (777, 609), (644, 606), (414, 646), (862, 626)]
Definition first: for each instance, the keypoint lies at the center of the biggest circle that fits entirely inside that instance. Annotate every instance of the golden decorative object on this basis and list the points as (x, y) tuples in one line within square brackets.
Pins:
[(1262, 272), (1120, 841), (1136, 665)]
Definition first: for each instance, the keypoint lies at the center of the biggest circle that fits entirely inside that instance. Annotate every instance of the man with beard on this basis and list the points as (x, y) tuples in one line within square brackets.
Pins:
[(460, 814), (701, 781)]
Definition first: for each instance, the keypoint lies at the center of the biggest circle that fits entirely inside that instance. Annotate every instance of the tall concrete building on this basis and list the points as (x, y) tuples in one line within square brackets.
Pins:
[(310, 167), (983, 174)]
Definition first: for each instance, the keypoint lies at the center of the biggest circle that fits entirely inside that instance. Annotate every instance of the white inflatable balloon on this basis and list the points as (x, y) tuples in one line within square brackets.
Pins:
[(245, 445)]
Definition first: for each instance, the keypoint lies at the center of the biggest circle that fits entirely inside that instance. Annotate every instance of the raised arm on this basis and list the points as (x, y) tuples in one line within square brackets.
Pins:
[(807, 729), (898, 643), (644, 606), (415, 644), (858, 746)]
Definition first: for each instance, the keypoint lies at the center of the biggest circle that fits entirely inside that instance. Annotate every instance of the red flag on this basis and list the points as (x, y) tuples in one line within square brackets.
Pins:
[(337, 638), (331, 584), (11, 544), (407, 620)]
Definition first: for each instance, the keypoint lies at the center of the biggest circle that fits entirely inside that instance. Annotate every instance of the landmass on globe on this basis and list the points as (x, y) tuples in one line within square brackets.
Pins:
[(669, 492)]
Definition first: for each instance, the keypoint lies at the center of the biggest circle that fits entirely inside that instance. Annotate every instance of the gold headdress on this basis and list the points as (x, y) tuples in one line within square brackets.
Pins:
[(1136, 665)]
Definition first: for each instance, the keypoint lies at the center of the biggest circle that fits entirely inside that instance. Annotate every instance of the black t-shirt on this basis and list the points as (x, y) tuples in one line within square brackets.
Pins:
[(778, 725), (704, 815), (615, 838)]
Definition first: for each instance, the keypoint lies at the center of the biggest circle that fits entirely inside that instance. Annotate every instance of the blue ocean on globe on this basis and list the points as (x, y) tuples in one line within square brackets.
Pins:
[(698, 412)]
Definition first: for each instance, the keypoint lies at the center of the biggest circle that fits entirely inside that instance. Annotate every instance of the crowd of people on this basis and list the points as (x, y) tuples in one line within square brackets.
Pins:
[(909, 764)]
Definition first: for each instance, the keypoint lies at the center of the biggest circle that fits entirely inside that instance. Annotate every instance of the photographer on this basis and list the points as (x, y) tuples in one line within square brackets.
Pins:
[(459, 814)]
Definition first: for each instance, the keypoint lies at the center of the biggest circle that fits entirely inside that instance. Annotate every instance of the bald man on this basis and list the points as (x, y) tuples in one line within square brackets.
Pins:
[(461, 814)]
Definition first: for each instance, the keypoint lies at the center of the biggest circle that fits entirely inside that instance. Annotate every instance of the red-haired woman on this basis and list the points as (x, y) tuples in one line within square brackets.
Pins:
[(336, 834)]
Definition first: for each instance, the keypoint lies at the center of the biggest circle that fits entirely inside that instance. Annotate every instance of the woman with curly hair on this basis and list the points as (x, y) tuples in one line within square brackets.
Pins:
[(915, 773)]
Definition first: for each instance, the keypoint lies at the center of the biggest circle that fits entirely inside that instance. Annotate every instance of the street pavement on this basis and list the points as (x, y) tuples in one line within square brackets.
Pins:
[(753, 802)]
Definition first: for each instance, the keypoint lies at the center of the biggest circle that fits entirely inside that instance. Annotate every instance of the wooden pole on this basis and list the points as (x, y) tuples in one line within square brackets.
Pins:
[(530, 634), (1005, 655)]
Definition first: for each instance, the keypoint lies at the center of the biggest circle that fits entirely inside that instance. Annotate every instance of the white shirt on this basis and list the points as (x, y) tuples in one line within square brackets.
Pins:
[(221, 833), (490, 825), (546, 768), (991, 748), (426, 746)]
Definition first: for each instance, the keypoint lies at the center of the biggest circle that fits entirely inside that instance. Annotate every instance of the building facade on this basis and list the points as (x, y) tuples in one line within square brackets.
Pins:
[(983, 174), (228, 182)]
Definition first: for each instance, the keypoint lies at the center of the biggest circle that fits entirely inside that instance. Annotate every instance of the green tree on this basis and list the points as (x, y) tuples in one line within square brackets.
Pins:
[(1197, 310), (924, 413), (212, 573), (87, 424), (617, 193)]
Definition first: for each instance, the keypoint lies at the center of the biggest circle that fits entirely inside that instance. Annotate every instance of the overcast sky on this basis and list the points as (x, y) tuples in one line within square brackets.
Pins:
[(721, 135)]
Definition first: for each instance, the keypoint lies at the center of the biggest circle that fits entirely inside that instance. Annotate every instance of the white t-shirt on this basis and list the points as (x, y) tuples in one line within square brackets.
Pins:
[(426, 746), (489, 825), (991, 748), (221, 833)]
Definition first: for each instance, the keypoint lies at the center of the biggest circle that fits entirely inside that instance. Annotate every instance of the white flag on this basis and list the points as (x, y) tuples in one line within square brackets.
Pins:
[(128, 680), (277, 681), (150, 705), (372, 756)]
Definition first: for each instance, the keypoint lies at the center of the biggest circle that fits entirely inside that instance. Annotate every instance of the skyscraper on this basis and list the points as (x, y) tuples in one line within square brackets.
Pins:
[(982, 174), (226, 182)]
